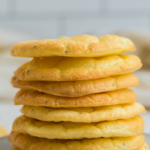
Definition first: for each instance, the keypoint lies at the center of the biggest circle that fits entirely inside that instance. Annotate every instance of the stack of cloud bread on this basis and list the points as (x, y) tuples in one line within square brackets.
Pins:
[(75, 95)]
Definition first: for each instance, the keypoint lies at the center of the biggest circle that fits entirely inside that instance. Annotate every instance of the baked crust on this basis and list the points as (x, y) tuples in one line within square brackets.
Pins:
[(79, 88), (3, 131), (72, 69), (27, 142), (70, 130), (34, 98), (76, 46), (86, 115), (15, 148)]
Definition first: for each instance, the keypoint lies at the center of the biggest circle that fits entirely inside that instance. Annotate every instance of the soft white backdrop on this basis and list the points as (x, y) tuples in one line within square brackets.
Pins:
[(52, 18)]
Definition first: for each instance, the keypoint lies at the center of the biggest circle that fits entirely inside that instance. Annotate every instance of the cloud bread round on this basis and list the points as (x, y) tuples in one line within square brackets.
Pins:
[(34, 98), (72, 69), (70, 130), (79, 88), (144, 147), (27, 142), (3, 131), (87, 114), (76, 46)]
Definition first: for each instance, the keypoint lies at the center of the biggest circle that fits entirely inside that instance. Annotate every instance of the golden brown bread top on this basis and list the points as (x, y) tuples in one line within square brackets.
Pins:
[(34, 98), (72, 69), (86, 114), (76, 46), (79, 88), (27, 142), (70, 130)]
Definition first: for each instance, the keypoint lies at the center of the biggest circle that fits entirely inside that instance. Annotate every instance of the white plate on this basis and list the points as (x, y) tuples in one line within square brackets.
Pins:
[(6, 145)]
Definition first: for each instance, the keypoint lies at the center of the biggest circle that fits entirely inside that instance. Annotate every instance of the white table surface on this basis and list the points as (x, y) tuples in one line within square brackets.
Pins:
[(8, 112)]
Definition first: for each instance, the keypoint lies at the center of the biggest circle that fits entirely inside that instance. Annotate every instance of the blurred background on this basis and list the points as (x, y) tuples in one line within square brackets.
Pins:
[(22, 20)]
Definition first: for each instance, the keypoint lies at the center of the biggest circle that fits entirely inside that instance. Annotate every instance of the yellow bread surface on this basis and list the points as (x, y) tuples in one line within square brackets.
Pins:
[(70, 130), (86, 115), (76, 46), (144, 147), (34, 98), (79, 88), (3, 131), (27, 142), (72, 69)]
